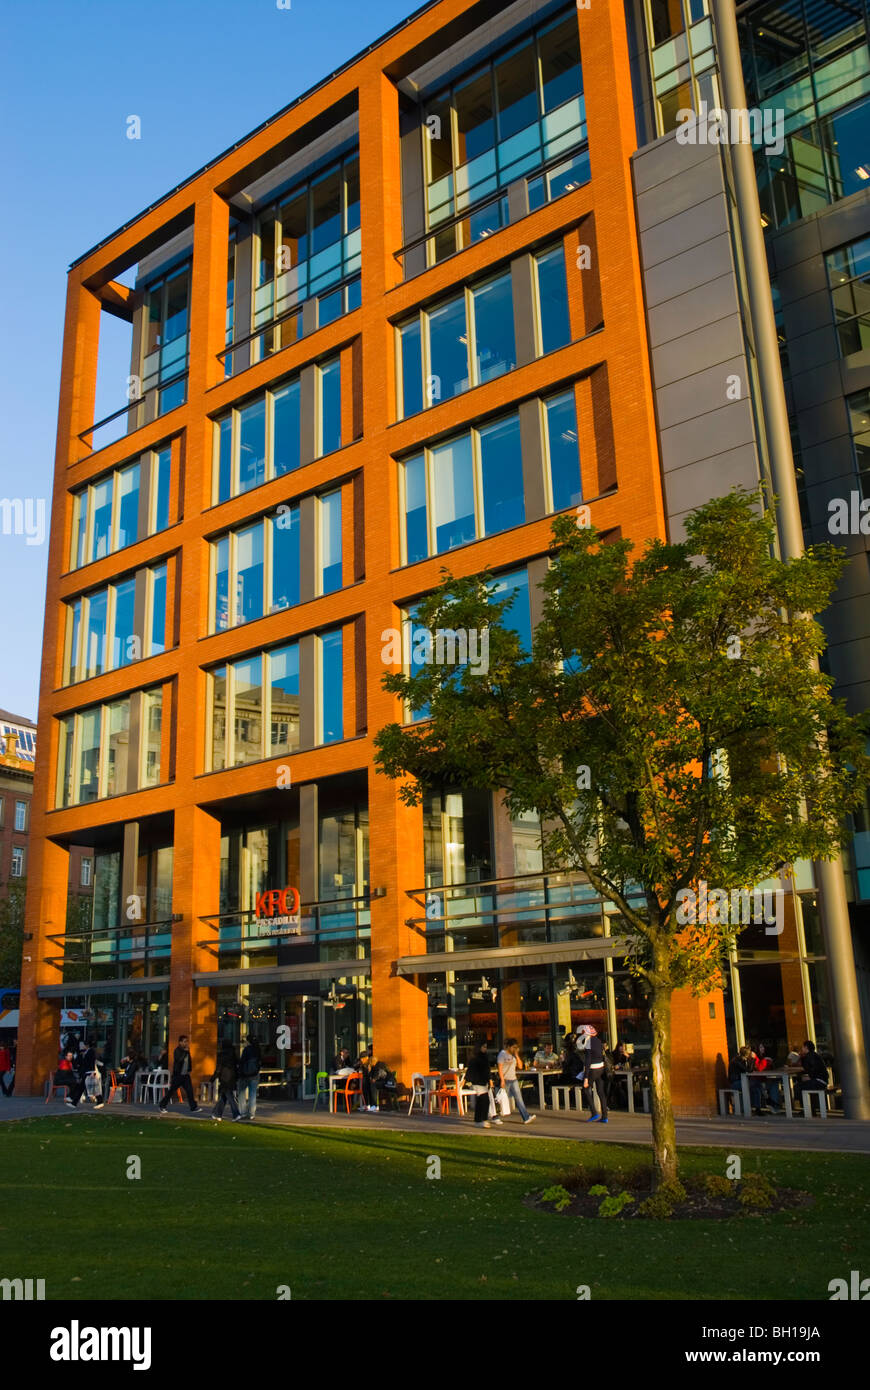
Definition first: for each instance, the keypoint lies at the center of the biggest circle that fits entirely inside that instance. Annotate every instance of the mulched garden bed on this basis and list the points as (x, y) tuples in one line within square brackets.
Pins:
[(705, 1197)]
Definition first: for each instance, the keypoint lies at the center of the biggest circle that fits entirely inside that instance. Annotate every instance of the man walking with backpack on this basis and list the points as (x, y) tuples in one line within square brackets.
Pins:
[(249, 1078), (180, 1077)]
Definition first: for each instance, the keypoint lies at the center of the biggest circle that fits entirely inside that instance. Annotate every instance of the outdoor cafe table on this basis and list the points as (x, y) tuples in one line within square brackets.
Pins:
[(270, 1078), (784, 1076), (538, 1073)]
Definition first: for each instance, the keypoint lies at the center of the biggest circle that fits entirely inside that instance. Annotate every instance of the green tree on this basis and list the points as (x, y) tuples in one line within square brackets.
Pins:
[(12, 930), (670, 727)]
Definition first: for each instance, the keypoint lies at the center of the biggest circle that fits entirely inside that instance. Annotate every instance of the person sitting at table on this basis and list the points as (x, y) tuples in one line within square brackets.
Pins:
[(764, 1063), (738, 1067), (545, 1057), (814, 1074), (341, 1065), (366, 1064), (621, 1058)]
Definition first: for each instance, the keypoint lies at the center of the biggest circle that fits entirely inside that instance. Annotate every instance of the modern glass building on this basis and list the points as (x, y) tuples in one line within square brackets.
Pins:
[(468, 282)]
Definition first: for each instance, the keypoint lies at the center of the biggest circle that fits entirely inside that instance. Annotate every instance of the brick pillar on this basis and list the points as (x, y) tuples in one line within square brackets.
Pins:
[(45, 915), (699, 1049), (195, 894)]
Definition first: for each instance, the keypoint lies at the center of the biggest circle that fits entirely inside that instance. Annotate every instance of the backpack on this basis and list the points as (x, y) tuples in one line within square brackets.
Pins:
[(250, 1066)]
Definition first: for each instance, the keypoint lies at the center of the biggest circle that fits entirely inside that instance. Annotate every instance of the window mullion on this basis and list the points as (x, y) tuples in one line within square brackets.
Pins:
[(477, 479), (266, 703)]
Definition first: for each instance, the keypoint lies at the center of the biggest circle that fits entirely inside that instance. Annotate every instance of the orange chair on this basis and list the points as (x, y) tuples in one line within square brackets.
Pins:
[(449, 1090), (350, 1089), (124, 1086), (52, 1087)]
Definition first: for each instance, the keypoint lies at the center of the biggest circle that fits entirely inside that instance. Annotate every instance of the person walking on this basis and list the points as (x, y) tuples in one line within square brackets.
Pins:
[(249, 1077), (180, 1079), (508, 1061), (82, 1065), (5, 1066), (479, 1077), (594, 1078), (226, 1075)]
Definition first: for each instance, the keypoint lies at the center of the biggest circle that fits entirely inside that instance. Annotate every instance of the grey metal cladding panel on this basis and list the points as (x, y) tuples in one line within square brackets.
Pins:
[(850, 661), (677, 194), (805, 315), (807, 350), (687, 488), (691, 228), (820, 384), (696, 351), (848, 620), (797, 281), (794, 244), (667, 159), (705, 261), (828, 462), (705, 305), (823, 423), (710, 434), (696, 394), (855, 373), (845, 221)]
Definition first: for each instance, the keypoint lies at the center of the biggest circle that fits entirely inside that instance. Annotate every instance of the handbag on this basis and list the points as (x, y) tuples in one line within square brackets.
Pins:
[(503, 1101)]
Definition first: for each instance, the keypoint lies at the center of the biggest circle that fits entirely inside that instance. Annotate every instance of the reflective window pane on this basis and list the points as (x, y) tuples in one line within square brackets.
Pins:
[(117, 747), (475, 130), (416, 533), (152, 724), (448, 351), (284, 686), (221, 584), (564, 456), (412, 367), (561, 73), (330, 406), (285, 559), (516, 84), (330, 542), (453, 493), (95, 633), (160, 470), (249, 573), (219, 718), (252, 445), (286, 429), (89, 755), (555, 325), (495, 348), (125, 647), (518, 617), (158, 611), (248, 710), (331, 687), (101, 500), (80, 529), (326, 211), (501, 465), (224, 446)]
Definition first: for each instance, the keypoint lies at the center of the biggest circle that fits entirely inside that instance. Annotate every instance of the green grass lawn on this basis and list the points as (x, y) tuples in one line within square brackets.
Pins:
[(236, 1211)]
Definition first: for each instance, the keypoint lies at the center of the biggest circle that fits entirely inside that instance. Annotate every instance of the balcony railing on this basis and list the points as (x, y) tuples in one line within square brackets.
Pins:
[(338, 927), (525, 908), (129, 951)]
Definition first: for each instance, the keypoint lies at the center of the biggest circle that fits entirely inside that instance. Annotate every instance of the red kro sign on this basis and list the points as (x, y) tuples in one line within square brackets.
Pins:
[(278, 902)]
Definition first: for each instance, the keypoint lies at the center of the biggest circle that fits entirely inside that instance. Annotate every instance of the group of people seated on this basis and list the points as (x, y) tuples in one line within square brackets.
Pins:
[(377, 1078), (806, 1064)]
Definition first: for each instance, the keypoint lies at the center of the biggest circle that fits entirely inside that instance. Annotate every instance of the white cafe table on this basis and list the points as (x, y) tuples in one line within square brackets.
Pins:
[(538, 1073), (784, 1075)]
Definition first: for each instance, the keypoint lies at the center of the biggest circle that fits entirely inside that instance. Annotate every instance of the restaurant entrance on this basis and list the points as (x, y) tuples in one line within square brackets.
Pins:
[(304, 1042)]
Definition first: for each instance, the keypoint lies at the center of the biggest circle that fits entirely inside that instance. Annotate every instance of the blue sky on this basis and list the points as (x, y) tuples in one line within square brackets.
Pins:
[(200, 74)]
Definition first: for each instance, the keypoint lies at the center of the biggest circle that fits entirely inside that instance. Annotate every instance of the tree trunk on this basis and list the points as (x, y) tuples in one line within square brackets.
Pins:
[(663, 1130)]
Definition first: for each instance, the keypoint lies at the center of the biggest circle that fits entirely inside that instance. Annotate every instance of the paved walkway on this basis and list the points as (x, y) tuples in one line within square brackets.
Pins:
[(833, 1135)]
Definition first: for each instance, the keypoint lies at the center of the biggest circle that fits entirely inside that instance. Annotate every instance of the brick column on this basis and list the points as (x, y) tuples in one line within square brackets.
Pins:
[(45, 914), (195, 894), (700, 1047)]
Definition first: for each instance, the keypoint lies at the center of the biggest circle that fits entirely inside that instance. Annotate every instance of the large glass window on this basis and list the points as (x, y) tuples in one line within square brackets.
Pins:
[(249, 573), (309, 246), (286, 562), (262, 439), (467, 341), (518, 618), (254, 706), (106, 512), (452, 476), (165, 337), (101, 632), (522, 110), (849, 278), (859, 420), (95, 758), (501, 475)]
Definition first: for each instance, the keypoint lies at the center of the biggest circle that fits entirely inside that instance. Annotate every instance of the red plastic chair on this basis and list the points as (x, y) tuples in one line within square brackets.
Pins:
[(449, 1090), (52, 1087), (125, 1086), (350, 1089)]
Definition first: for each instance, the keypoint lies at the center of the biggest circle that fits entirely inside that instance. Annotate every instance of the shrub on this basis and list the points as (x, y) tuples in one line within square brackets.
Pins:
[(717, 1186), (558, 1195), (657, 1207), (599, 1190), (756, 1192), (673, 1192), (612, 1206)]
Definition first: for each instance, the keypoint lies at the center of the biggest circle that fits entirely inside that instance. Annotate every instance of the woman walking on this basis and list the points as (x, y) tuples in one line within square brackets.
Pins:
[(594, 1078), (227, 1076), (479, 1078)]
